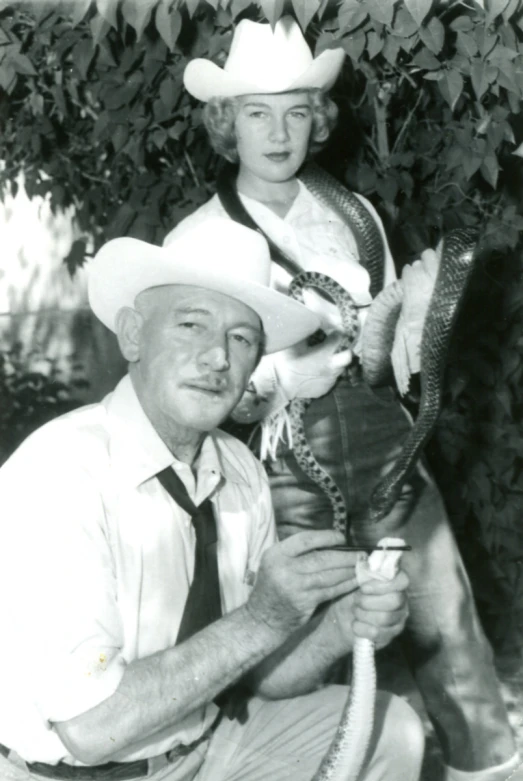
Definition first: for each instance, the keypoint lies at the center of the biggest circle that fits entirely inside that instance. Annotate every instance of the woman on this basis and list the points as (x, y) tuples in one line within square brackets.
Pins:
[(267, 110)]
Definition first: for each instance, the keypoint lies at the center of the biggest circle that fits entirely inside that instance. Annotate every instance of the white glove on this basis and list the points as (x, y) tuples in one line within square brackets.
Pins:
[(305, 372), (418, 282)]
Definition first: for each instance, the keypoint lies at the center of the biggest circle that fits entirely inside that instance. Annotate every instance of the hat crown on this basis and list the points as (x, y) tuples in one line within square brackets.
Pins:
[(266, 57), (263, 60), (225, 245)]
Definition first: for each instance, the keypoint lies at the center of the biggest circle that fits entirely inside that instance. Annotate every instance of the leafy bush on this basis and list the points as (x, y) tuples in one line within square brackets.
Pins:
[(30, 397)]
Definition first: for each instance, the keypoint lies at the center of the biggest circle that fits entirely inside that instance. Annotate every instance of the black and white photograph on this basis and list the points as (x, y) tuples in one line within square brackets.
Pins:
[(261, 390)]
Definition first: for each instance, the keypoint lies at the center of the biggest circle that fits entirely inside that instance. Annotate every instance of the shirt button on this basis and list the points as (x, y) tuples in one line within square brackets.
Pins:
[(286, 239)]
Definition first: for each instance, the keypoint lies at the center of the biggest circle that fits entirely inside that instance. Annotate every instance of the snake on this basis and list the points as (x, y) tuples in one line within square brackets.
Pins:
[(346, 754)]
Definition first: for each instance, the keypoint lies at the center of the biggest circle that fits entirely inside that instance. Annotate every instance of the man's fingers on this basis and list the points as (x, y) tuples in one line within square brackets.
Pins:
[(304, 542), (384, 617), (376, 587), (326, 560)]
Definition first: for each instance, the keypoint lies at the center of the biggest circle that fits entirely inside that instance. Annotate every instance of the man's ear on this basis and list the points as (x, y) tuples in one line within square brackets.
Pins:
[(128, 327)]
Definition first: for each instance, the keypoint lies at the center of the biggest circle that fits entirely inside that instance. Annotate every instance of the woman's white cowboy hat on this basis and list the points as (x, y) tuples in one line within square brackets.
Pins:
[(220, 255), (264, 61)]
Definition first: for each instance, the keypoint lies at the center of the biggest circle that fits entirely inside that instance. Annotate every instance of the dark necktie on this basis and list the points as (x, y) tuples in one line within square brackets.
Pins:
[(203, 605)]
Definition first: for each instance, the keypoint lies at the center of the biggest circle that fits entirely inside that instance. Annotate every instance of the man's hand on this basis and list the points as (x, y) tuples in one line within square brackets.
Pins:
[(378, 611), (299, 574), (305, 372)]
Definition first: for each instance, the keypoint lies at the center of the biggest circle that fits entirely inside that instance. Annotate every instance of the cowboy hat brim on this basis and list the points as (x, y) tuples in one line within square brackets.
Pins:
[(125, 267), (205, 80)]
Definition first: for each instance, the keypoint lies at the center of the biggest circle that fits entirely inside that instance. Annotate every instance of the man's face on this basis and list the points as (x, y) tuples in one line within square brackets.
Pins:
[(197, 350)]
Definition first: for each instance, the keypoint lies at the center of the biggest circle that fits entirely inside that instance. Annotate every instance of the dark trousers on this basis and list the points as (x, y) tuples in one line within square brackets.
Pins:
[(356, 433)]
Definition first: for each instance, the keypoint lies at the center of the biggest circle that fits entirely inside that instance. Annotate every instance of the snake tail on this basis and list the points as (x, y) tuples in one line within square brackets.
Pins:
[(457, 263), (346, 754)]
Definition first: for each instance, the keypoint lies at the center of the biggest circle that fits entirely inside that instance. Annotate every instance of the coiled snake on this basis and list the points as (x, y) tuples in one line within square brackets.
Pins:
[(347, 751)]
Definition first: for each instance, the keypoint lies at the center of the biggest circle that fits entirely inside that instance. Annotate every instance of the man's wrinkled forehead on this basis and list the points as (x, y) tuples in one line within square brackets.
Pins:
[(196, 300)]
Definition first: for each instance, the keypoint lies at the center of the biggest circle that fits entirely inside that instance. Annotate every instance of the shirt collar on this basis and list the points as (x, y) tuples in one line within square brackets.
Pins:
[(302, 203), (137, 451)]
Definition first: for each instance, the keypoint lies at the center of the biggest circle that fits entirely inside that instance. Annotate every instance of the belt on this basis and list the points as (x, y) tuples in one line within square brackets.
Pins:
[(119, 771)]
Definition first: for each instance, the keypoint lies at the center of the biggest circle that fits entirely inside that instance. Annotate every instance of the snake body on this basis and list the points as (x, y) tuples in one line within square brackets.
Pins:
[(346, 754), (302, 451)]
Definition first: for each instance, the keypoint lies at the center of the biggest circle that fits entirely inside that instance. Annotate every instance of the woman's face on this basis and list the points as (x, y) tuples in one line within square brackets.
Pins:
[(272, 133)]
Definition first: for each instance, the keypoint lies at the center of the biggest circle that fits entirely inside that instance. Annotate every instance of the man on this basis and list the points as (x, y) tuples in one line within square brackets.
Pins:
[(112, 664)]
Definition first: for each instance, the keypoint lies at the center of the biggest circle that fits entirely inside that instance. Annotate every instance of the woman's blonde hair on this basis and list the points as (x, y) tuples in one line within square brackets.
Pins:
[(219, 116)]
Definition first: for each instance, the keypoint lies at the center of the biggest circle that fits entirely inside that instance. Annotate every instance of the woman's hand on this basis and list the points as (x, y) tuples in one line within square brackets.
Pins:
[(306, 372)]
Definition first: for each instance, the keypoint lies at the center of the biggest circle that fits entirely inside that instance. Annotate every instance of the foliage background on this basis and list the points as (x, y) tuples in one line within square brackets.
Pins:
[(92, 109)]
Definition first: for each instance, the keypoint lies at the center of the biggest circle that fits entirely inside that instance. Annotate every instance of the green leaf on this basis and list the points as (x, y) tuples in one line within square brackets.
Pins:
[(471, 162), (137, 14), (76, 256), (351, 15), (107, 10), (426, 60), (354, 44), (272, 9), (83, 54), (494, 8), (403, 24), (7, 77), (387, 188), (305, 10), (101, 125), (433, 75), (466, 45), (79, 10), (122, 221), (486, 40), (99, 28), (191, 6), (374, 44), (418, 9), (490, 169), (451, 86), (510, 10), (462, 24), (169, 93), (22, 64), (482, 74), (391, 49), (119, 137), (238, 6), (433, 35), (168, 23), (381, 11)]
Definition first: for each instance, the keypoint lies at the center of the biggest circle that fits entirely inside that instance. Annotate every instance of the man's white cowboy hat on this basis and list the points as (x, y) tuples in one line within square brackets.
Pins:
[(264, 61), (220, 255)]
